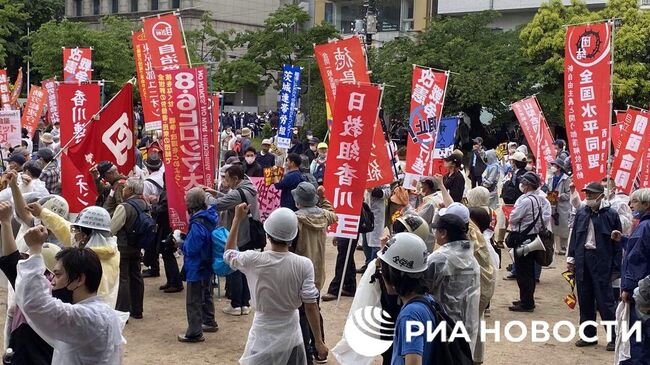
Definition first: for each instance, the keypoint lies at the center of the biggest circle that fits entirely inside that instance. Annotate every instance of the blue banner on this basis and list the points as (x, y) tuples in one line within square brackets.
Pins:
[(446, 136), (288, 104)]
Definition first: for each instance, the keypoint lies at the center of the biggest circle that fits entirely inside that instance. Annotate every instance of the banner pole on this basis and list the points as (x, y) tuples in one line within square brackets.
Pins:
[(345, 269), (438, 119), (611, 109)]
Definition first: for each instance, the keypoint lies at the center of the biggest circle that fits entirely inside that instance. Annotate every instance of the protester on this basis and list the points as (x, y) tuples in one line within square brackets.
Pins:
[(454, 180), (311, 151), (16, 162), (251, 167), (559, 194), (47, 141), (245, 139), (432, 199), (130, 296), (290, 181), (76, 321), (197, 264), (152, 188), (491, 177), (265, 158), (282, 282), (560, 150), (620, 203), (477, 164), (226, 136), (510, 191), (376, 200), (51, 174), (530, 214), (108, 196), (317, 167)]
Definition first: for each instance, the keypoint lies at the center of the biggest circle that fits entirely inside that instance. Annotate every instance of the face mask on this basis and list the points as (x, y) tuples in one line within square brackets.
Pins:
[(309, 137), (636, 214), (313, 148), (250, 160), (553, 169), (322, 155), (592, 203), (529, 168), (238, 136), (604, 204), (64, 294)]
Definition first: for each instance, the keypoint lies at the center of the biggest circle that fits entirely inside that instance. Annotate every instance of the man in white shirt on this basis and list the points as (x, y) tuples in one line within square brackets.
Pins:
[(70, 316), (281, 281)]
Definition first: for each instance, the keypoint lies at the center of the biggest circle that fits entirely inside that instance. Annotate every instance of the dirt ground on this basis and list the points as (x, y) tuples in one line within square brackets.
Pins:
[(152, 340)]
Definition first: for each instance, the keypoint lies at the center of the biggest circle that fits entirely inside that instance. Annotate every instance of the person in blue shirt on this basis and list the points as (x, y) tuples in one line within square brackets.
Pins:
[(292, 177), (403, 263)]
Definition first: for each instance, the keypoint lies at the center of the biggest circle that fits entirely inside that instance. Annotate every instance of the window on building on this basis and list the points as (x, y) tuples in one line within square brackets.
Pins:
[(115, 6), (154, 4), (176, 4), (134, 5), (348, 14), (329, 13), (407, 15), (388, 17), (96, 7), (78, 8)]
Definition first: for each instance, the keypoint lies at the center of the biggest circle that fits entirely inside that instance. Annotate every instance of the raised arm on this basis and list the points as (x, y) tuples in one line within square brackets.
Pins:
[(19, 201), (7, 234)]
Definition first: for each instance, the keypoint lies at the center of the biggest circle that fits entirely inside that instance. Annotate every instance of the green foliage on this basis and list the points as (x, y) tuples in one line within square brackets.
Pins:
[(112, 52)]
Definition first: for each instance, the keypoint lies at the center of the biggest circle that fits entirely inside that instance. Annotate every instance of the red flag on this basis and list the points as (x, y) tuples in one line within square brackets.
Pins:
[(587, 84), (216, 101), (355, 111), (616, 128), (427, 99), (33, 109), (536, 130), (5, 95), (77, 64), (18, 86), (188, 156), (632, 145), (51, 87), (78, 103), (164, 38), (380, 171), (147, 83)]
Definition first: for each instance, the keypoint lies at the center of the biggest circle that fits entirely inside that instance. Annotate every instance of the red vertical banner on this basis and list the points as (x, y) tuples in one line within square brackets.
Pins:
[(632, 145), (616, 128), (587, 108), (9, 128), (427, 99), (644, 174), (147, 83), (187, 153), (5, 95), (164, 37), (51, 87), (77, 104), (380, 171), (33, 109), (536, 130), (216, 104), (77, 64), (355, 113), (18, 87)]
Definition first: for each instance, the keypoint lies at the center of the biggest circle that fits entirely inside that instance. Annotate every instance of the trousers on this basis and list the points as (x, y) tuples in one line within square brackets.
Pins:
[(130, 294), (594, 293), (199, 306), (240, 294), (349, 282), (526, 277)]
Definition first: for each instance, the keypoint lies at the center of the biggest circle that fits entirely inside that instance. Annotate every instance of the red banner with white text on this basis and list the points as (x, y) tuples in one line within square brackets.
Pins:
[(77, 64), (165, 40), (187, 137), (537, 133), (147, 82), (355, 114), (587, 84), (77, 104), (18, 87), (380, 171), (427, 99), (33, 109), (616, 128), (632, 145), (51, 87), (5, 94)]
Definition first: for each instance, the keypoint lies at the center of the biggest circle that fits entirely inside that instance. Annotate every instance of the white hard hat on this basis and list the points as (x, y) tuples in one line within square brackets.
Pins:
[(282, 225), (415, 224), (94, 218), (56, 204), (49, 252), (406, 252)]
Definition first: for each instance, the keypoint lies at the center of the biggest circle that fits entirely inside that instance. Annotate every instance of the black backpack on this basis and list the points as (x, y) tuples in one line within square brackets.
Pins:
[(142, 233), (510, 191), (161, 206), (456, 352), (319, 174), (367, 220), (257, 234)]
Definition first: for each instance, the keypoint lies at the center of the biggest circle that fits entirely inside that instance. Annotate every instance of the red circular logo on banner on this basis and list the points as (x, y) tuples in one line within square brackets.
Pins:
[(589, 44), (162, 31)]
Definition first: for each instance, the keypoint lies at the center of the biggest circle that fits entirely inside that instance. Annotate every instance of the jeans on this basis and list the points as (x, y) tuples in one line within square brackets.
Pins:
[(240, 295), (199, 306), (130, 294), (350, 281), (369, 252), (594, 293)]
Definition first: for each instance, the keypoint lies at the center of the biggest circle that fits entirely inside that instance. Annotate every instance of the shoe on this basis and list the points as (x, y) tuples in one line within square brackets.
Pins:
[(232, 311), (150, 274), (581, 343), (561, 253), (347, 294), (173, 289), (136, 316), (210, 329), (163, 287), (510, 277), (328, 297), (245, 310), (611, 346), (509, 268), (518, 303), (362, 269), (537, 281), (519, 308), (318, 360), (487, 313), (183, 338), (359, 248)]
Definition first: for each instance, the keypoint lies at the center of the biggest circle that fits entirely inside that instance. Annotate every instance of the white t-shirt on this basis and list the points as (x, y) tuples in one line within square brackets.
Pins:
[(279, 282)]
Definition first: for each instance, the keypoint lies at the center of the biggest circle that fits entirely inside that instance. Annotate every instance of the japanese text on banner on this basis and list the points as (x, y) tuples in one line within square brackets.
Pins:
[(444, 143), (77, 64), (5, 95), (288, 104), (147, 82), (427, 98), (33, 109), (380, 171), (164, 38), (355, 113), (187, 137), (10, 127), (51, 87), (587, 99), (631, 146), (268, 197), (537, 133)]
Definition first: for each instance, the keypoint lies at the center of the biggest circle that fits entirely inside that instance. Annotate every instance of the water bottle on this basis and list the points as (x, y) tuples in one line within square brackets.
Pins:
[(8, 356)]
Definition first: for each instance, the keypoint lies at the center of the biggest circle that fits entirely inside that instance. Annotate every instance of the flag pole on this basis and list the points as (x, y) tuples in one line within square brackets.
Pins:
[(611, 107)]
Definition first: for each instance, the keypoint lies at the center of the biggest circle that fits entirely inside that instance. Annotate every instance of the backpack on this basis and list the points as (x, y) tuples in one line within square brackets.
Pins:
[(257, 238), (307, 177), (319, 174), (143, 231), (510, 191), (237, 147), (456, 352), (219, 238), (161, 206), (367, 220)]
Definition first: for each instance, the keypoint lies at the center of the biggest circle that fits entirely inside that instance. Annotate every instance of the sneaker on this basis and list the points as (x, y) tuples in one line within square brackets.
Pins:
[(245, 310), (150, 274), (233, 311), (510, 277), (210, 329), (136, 315), (581, 343), (328, 297), (318, 360), (183, 338), (163, 287), (173, 289)]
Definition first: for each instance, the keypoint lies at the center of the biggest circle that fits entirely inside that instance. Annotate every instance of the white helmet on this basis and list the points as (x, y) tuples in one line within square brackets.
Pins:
[(56, 204), (282, 225), (49, 252), (416, 225), (406, 252), (94, 217)]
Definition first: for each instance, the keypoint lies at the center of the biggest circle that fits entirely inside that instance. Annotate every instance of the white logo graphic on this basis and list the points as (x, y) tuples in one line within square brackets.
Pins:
[(123, 142), (365, 329)]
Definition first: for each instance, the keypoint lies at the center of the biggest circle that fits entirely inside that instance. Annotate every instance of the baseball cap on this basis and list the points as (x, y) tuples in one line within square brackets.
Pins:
[(454, 158), (103, 167), (266, 141), (594, 187), (46, 154), (519, 156), (17, 158), (456, 209), (450, 222)]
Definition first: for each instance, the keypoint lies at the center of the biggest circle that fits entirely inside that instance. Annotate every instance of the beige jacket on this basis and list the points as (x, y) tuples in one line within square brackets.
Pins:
[(488, 272)]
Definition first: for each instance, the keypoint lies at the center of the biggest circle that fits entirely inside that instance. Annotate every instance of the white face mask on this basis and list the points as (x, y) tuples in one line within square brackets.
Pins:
[(529, 167), (592, 203), (553, 169), (250, 160), (309, 137), (313, 148)]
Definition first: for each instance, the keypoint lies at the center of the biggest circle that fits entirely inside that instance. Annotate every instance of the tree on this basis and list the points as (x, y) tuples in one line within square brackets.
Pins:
[(112, 54)]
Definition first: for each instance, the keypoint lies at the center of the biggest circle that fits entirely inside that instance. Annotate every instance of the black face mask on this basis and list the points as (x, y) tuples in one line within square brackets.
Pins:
[(64, 294)]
